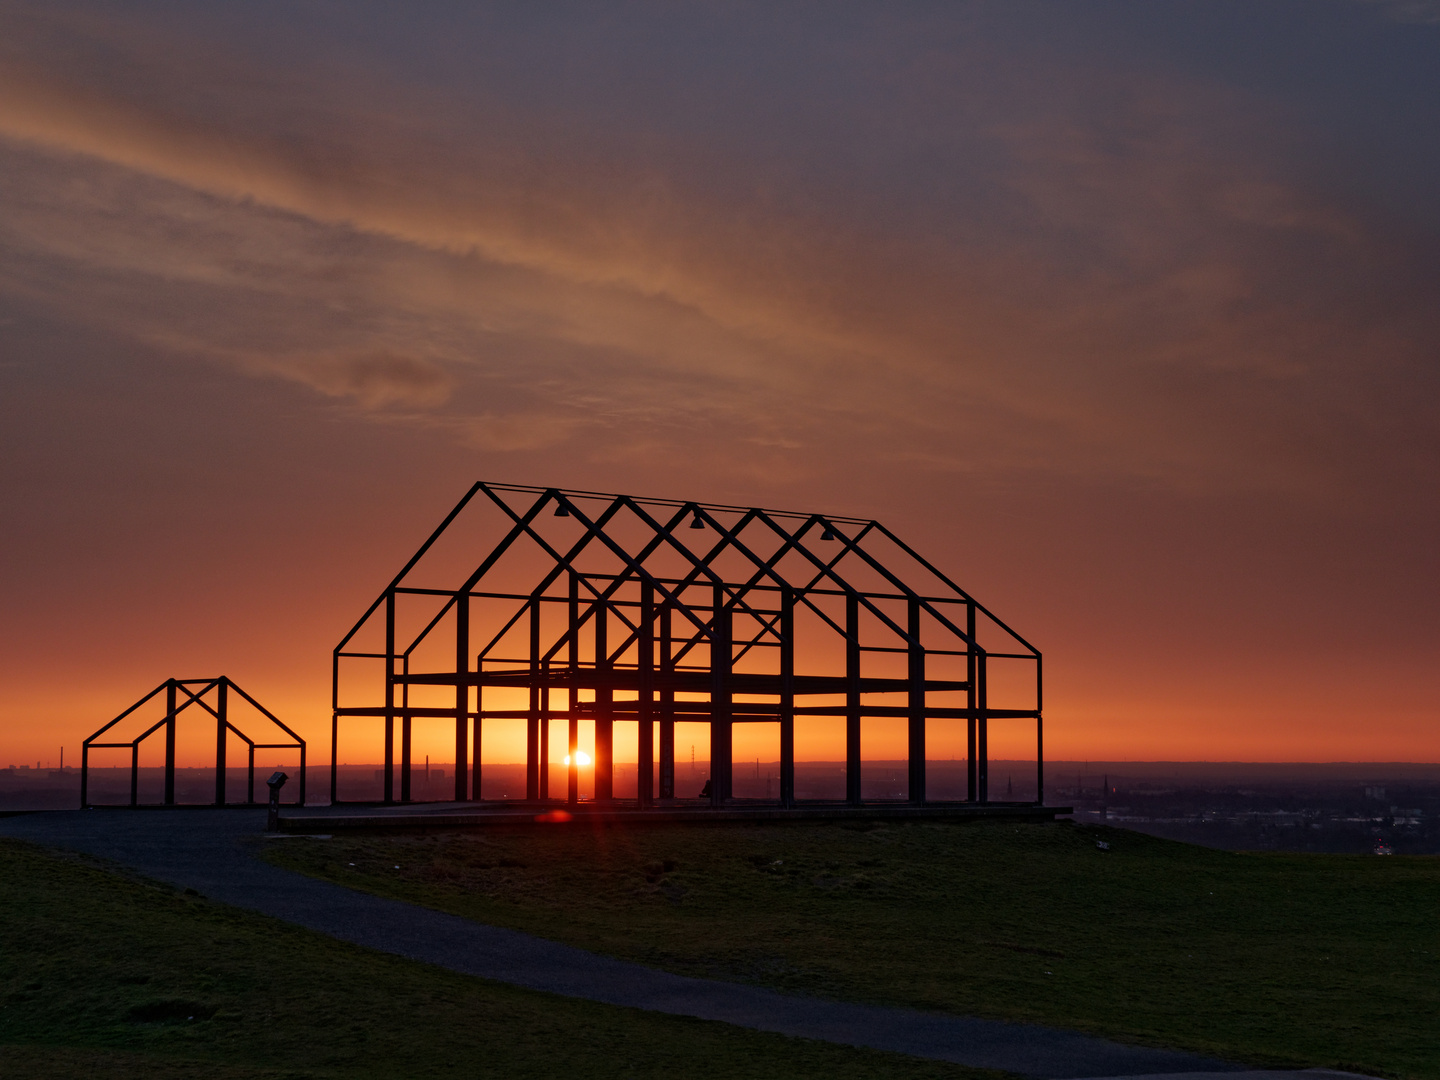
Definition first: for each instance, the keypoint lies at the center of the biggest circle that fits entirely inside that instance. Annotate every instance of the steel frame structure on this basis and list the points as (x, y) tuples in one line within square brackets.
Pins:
[(194, 692), (628, 619)]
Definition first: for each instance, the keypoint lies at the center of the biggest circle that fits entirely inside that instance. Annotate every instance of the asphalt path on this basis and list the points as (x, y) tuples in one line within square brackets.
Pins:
[(215, 852)]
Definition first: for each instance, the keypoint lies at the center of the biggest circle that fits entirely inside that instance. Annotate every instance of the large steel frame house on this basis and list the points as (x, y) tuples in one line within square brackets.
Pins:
[(548, 606)]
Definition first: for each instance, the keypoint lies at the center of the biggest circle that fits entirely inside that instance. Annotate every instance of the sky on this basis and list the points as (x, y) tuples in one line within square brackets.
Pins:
[(1123, 313)]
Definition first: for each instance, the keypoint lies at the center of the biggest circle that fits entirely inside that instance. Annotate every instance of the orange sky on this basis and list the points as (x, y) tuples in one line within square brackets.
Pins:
[(1129, 329)]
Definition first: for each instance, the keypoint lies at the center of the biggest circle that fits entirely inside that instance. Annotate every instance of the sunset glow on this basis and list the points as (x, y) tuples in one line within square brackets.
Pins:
[(1141, 351)]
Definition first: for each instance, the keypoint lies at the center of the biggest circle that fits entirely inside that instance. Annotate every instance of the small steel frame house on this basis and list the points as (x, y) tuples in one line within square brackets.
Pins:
[(213, 697), (581, 606)]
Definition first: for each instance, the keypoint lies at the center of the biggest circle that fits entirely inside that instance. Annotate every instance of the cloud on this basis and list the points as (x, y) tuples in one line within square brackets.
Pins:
[(1135, 281), (1140, 348), (374, 380), (517, 431)]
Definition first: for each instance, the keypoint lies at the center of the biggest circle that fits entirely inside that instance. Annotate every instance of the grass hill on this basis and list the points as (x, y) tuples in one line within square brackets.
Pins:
[(1272, 959), (108, 976)]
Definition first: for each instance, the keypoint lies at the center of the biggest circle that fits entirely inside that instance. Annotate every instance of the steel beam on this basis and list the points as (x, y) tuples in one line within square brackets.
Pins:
[(389, 698), (222, 731), (972, 701), (787, 698), (645, 767), (334, 755), (982, 739), (476, 777), (667, 705), (1039, 762), (405, 730), (852, 699), (721, 749), (916, 706), (532, 717), (572, 724), (462, 695), (604, 763), (170, 743), (544, 733)]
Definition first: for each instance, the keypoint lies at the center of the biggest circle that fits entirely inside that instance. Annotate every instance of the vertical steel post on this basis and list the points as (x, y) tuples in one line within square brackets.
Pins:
[(84, 775), (721, 655), (135, 773), (476, 788), (667, 704), (1039, 761), (532, 717), (787, 697), (170, 742), (300, 795), (645, 769), (1039, 734), (334, 728), (389, 698), (972, 704), (250, 778), (572, 742), (221, 719), (852, 699), (544, 729), (462, 693), (604, 709), (917, 704), (983, 724), (405, 725), (334, 755)]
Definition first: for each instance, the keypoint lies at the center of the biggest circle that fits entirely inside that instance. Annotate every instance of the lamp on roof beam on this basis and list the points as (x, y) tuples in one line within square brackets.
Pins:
[(561, 510), (828, 534), (695, 522)]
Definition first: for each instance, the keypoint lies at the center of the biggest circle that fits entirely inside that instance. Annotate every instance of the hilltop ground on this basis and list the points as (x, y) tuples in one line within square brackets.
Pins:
[(103, 974), (1292, 960)]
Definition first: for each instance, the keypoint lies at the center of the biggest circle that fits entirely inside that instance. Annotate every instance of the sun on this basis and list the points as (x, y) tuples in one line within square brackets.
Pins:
[(581, 758)]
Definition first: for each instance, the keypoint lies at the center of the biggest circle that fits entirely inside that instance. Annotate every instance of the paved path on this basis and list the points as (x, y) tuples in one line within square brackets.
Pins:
[(213, 852)]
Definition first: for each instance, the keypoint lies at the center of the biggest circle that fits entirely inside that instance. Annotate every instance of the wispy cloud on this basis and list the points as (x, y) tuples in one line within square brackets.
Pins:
[(1138, 285)]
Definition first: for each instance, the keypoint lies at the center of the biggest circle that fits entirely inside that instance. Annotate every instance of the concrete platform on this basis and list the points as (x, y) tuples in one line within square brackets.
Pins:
[(627, 813)]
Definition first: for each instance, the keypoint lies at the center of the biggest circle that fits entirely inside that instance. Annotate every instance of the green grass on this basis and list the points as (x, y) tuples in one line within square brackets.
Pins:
[(1285, 960), (108, 976)]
